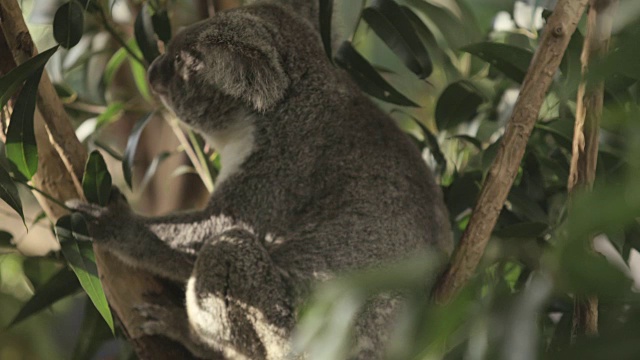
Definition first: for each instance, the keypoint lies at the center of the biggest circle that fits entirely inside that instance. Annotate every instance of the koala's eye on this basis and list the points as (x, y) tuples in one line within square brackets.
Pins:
[(177, 60)]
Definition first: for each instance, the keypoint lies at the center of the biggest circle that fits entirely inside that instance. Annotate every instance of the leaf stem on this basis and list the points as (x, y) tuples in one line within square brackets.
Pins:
[(49, 197)]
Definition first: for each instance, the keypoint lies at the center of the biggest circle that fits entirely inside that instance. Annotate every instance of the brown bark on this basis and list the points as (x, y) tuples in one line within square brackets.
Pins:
[(557, 33), (61, 165), (585, 138)]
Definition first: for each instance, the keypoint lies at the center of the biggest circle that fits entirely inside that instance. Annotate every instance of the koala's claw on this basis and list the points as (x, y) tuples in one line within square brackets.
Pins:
[(152, 323)]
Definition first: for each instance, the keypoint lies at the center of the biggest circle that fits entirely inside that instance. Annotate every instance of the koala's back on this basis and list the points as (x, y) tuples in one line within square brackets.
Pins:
[(332, 184)]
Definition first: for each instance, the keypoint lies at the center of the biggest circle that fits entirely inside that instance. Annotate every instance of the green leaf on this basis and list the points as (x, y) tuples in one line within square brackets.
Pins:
[(139, 73), (113, 65), (64, 283), (113, 111), (457, 104), (11, 81), (468, 139), (326, 12), (153, 168), (68, 24), (9, 193), (73, 235), (522, 230), (145, 35), (162, 25), (449, 25), (5, 239), (21, 147), (367, 77), (432, 143), (513, 61), (93, 334), (130, 150), (391, 24), (96, 182)]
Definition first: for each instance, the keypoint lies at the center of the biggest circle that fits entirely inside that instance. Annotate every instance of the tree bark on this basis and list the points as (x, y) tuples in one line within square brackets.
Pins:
[(585, 137), (557, 33)]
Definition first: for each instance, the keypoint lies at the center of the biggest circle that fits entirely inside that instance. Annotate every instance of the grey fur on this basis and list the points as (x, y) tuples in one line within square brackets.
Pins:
[(328, 184)]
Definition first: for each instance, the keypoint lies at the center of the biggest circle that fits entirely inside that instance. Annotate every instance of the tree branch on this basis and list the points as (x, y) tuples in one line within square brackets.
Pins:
[(557, 33), (585, 137)]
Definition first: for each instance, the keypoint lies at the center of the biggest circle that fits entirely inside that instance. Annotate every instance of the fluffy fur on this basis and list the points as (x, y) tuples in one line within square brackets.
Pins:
[(317, 181)]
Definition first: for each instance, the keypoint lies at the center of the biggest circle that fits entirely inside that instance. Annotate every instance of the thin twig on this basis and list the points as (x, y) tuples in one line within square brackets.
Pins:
[(585, 139), (114, 33)]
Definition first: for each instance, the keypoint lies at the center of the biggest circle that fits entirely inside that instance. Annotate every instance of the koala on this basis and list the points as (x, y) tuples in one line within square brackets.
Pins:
[(315, 181)]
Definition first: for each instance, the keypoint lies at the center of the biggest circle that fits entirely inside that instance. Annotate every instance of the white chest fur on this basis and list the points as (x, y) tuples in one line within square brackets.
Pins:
[(233, 144)]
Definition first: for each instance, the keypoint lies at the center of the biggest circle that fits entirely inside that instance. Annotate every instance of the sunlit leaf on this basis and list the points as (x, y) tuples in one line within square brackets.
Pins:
[(11, 81), (389, 22), (96, 182), (139, 73), (145, 35), (132, 144), (64, 283), (114, 64), (73, 235), (9, 193), (112, 113), (21, 147), (449, 25), (68, 24), (367, 77)]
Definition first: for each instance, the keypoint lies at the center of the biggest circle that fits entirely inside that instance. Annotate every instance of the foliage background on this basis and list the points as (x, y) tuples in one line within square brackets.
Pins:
[(518, 306)]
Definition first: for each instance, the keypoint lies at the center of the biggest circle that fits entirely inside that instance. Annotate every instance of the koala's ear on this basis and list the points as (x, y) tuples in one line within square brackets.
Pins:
[(252, 73)]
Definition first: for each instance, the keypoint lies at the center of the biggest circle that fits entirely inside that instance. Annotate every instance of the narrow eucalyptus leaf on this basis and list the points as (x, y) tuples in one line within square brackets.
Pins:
[(9, 192), (68, 24), (457, 104), (513, 61), (96, 182), (5, 239), (145, 35), (21, 147), (132, 144), (64, 283), (11, 81), (391, 24), (326, 12), (162, 25), (367, 77), (73, 235)]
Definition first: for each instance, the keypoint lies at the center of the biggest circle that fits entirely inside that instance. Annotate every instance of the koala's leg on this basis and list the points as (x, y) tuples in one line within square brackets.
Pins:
[(237, 299), (172, 322), (374, 325)]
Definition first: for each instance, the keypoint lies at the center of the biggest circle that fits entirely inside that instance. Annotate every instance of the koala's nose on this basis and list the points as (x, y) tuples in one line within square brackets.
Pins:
[(159, 75)]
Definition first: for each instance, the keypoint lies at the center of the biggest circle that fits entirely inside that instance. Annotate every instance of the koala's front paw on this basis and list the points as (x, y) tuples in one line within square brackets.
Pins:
[(104, 221), (156, 320)]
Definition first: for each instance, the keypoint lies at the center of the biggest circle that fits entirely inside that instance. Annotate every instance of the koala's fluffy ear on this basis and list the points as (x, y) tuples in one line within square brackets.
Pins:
[(246, 70)]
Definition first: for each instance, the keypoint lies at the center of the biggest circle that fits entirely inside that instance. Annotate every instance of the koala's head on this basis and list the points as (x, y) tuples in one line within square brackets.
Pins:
[(218, 67)]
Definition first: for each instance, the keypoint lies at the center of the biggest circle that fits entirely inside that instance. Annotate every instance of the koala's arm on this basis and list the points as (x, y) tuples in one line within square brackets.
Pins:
[(166, 245)]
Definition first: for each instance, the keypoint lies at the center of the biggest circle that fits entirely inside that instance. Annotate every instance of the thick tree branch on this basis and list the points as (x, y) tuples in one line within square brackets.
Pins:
[(61, 164), (585, 137), (557, 33)]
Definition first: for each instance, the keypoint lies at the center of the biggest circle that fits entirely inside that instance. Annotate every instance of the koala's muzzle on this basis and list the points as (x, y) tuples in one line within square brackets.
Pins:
[(159, 74)]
